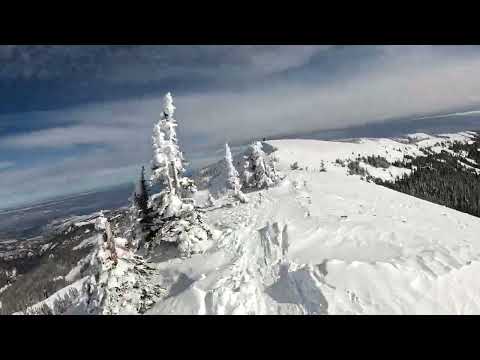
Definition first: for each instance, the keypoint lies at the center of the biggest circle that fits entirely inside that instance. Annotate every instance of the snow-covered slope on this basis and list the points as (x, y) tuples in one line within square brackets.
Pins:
[(322, 243), (354, 247)]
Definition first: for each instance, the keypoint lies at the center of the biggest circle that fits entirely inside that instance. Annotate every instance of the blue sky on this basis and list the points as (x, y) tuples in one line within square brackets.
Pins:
[(76, 118)]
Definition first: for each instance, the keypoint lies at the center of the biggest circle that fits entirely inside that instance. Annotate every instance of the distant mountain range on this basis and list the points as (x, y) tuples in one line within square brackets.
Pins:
[(28, 221)]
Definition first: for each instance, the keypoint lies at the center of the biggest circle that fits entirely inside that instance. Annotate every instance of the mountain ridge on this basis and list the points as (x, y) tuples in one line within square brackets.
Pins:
[(321, 242)]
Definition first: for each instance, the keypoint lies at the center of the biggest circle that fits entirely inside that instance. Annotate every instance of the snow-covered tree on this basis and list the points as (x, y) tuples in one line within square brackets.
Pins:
[(167, 162), (258, 171), (132, 216), (175, 217), (109, 247), (188, 232), (140, 214), (100, 262), (141, 193), (167, 165), (232, 178), (232, 181)]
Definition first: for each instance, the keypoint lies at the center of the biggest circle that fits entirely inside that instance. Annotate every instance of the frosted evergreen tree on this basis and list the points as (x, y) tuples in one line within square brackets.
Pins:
[(176, 219), (141, 193), (167, 165), (258, 170), (167, 162), (232, 178), (109, 247), (232, 181), (140, 214)]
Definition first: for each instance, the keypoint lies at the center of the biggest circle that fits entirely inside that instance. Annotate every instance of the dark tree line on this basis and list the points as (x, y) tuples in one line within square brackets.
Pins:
[(444, 178), (376, 161)]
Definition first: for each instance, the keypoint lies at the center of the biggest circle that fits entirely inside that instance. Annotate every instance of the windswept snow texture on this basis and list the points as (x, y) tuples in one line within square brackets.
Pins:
[(328, 243), (321, 242)]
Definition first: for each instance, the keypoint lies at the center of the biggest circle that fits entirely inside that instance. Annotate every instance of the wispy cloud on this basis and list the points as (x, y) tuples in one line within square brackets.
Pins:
[(395, 89), (464, 113), (116, 136), (147, 62), (5, 165), (41, 77)]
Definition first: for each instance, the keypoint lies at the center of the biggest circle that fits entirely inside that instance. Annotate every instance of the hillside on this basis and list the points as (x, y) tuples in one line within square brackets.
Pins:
[(321, 242)]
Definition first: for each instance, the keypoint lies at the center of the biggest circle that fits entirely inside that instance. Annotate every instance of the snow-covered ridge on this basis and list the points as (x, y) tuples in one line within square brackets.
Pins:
[(309, 152), (320, 242)]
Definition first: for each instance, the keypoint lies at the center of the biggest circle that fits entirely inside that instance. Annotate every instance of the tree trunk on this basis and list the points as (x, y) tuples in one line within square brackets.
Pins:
[(175, 177)]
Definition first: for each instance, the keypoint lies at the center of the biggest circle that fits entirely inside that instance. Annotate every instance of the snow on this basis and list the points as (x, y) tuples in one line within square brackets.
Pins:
[(101, 223), (83, 223), (45, 247), (311, 152), (418, 136), (168, 106), (77, 285), (62, 225), (5, 287), (87, 242), (75, 272), (355, 247), (317, 243), (201, 198), (385, 174), (258, 170)]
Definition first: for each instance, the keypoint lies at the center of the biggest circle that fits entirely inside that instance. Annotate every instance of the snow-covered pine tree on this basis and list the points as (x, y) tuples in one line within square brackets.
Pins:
[(258, 170), (103, 224), (176, 219), (232, 179), (167, 165), (140, 214), (132, 216), (141, 193), (167, 162)]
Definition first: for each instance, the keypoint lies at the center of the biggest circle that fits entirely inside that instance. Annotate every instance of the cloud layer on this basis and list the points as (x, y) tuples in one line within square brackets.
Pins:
[(140, 63), (104, 143)]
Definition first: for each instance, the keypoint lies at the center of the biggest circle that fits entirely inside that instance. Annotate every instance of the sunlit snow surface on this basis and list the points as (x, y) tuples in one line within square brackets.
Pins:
[(328, 243), (355, 247)]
